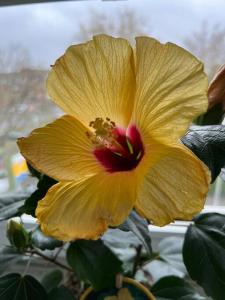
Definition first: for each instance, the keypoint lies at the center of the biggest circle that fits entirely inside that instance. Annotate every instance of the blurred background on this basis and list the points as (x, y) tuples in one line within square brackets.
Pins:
[(33, 36)]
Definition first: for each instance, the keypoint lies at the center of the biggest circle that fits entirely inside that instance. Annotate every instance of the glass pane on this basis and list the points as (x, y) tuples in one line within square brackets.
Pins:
[(34, 36)]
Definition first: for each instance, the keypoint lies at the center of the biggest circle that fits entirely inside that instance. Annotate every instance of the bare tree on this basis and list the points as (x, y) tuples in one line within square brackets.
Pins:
[(208, 43), (23, 102), (127, 24), (14, 58)]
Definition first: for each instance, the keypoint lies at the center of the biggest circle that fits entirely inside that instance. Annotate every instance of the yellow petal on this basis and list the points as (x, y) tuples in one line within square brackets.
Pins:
[(61, 150), (84, 209), (95, 79), (171, 89), (174, 188)]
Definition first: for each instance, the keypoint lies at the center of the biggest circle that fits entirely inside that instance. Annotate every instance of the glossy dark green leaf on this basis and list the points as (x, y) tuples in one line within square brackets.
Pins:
[(61, 293), (168, 259), (125, 244), (139, 227), (42, 241), (93, 262), (9, 255), (33, 171), (9, 206), (170, 252), (208, 144), (31, 202), (204, 253), (52, 280), (16, 287), (174, 288), (214, 116)]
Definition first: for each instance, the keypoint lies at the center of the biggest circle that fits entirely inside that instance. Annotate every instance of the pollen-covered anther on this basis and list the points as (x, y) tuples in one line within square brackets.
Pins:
[(104, 132)]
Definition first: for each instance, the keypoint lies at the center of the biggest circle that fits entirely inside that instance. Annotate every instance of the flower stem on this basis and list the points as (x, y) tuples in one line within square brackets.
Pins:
[(27, 265), (52, 260), (137, 259)]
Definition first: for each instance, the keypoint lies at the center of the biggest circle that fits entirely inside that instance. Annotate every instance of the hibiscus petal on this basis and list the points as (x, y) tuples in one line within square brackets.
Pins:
[(84, 209), (171, 89), (95, 79), (174, 188), (61, 150)]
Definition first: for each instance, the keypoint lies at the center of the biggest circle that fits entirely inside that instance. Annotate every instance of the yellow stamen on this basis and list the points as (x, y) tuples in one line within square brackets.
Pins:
[(103, 132)]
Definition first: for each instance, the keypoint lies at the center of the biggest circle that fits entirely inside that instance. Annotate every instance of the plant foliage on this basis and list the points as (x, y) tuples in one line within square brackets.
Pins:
[(203, 253)]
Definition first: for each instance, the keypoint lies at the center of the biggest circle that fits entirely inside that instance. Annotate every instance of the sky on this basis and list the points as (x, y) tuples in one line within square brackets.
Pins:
[(46, 30)]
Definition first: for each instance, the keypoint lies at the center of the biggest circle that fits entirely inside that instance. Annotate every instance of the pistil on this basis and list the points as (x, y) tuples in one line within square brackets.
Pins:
[(115, 148)]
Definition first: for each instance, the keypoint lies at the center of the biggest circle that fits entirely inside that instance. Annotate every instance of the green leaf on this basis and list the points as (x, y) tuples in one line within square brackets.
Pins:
[(139, 227), (170, 251), (52, 280), (174, 288), (214, 116), (8, 256), (208, 144), (42, 241), (9, 206), (204, 253), (168, 260), (61, 293), (93, 262), (31, 202), (33, 171), (16, 287)]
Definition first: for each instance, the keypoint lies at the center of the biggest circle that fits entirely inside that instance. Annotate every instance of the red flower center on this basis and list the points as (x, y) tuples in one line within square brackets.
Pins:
[(123, 153)]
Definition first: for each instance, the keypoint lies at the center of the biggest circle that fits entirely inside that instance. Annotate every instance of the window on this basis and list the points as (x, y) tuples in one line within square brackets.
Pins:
[(34, 35)]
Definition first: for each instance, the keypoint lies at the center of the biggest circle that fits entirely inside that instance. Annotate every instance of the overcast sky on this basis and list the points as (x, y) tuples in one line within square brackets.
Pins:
[(47, 29)]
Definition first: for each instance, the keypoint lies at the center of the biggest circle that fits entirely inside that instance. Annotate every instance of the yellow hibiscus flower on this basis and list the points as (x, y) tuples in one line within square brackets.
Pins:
[(118, 147)]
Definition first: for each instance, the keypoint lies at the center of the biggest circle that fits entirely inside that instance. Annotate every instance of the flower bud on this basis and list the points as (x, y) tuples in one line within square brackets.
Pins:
[(17, 235), (216, 90)]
